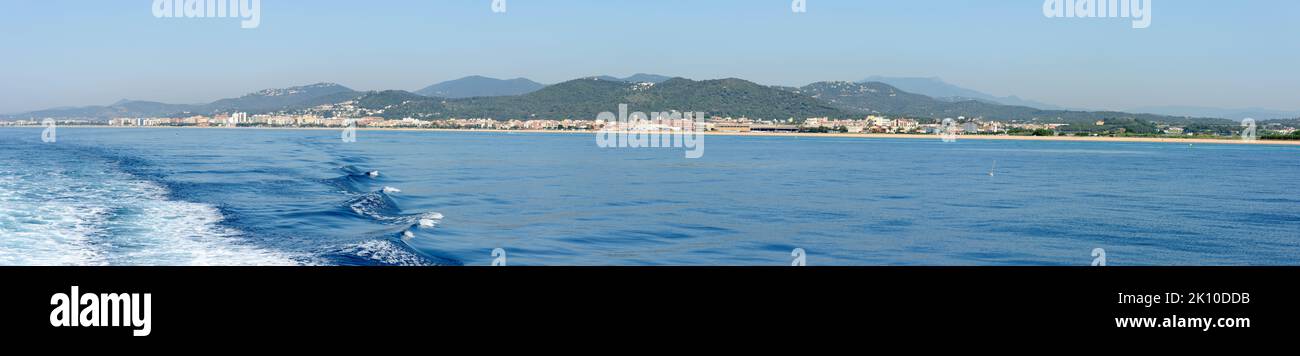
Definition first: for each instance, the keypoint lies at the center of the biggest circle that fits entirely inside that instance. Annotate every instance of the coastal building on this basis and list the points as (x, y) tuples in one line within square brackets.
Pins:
[(732, 127), (126, 121), (773, 128)]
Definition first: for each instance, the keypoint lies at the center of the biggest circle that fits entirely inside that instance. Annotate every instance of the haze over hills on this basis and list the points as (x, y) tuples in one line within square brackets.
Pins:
[(480, 86), (584, 98), (473, 86), (881, 98), (119, 109), (262, 101), (635, 78), (1232, 114), (647, 78), (939, 89)]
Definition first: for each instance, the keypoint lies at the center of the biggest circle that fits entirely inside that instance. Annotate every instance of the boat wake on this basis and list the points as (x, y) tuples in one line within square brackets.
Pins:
[(80, 207)]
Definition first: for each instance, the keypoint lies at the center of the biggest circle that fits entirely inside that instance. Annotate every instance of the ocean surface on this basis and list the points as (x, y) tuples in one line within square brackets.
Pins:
[(282, 197)]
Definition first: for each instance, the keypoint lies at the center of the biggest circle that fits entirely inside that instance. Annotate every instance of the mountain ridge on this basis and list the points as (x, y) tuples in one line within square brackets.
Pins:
[(584, 98), (477, 85), (260, 101), (937, 88)]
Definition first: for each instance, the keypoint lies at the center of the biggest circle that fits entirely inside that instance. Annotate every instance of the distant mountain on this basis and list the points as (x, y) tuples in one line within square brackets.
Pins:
[(939, 89), (118, 109), (585, 98), (260, 102), (609, 78), (1232, 114), (635, 78), (277, 99), (647, 78), (479, 86), (881, 98)]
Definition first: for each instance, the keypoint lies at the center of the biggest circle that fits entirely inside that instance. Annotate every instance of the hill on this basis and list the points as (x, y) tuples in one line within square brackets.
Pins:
[(585, 98)]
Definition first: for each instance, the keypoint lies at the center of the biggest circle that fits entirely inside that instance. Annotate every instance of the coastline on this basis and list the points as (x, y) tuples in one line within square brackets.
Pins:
[(1224, 141)]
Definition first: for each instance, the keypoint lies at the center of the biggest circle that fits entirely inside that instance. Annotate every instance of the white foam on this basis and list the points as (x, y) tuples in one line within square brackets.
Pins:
[(47, 234), (184, 233), (90, 215), (387, 252), (430, 220)]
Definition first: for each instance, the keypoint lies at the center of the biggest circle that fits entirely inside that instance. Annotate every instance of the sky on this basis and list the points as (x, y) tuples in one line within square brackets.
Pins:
[(1219, 53)]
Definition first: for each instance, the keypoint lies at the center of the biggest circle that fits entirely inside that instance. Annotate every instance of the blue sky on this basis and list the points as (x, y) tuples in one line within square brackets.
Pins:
[(1196, 52)]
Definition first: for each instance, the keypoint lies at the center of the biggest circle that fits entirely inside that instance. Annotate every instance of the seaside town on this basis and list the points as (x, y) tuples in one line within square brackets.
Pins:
[(868, 125)]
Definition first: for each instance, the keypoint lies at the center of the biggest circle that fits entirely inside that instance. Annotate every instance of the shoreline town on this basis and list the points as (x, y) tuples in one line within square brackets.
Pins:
[(869, 127)]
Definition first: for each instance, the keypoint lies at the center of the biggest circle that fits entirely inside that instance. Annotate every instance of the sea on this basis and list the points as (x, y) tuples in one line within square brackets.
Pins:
[(232, 197)]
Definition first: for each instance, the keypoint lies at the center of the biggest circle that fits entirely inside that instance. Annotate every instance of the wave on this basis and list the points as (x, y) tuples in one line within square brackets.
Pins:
[(389, 252), (353, 181), (380, 207)]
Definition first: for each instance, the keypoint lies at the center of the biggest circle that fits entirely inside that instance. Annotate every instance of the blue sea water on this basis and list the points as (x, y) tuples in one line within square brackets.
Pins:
[(269, 197)]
